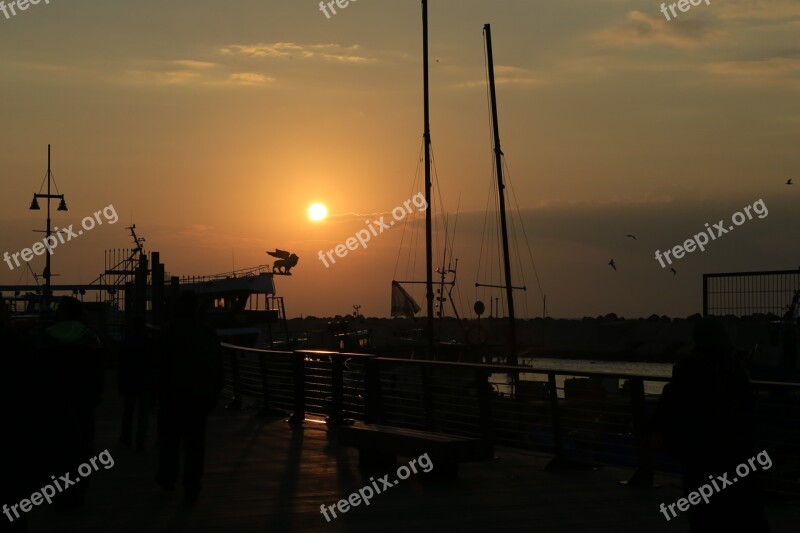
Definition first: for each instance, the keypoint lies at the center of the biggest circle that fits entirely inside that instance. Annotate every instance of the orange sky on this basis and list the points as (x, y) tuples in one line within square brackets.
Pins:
[(213, 127)]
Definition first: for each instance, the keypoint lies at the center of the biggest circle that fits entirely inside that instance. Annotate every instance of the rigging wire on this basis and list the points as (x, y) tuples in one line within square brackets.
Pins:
[(413, 225), (411, 258), (448, 247), (524, 232)]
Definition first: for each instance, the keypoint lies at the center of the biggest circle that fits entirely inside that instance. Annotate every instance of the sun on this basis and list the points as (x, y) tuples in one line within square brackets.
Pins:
[(317, 212)]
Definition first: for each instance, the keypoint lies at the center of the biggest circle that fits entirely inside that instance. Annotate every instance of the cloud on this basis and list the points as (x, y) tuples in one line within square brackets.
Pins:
[(508, 75), (646, 200), (47, 67), (189, 71), (772, 72), (249, 78), (758, 10), (641, 29), (192, 64), (327, 52), (169, 77), (174, 72)]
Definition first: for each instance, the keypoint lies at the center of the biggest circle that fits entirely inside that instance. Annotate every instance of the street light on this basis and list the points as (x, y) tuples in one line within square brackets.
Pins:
[(62, 206)]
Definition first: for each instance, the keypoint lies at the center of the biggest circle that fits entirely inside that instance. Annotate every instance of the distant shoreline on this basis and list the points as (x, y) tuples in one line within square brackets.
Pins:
[(608, 339)]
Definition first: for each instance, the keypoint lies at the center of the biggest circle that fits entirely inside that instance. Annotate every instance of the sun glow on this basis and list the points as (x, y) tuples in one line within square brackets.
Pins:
[(317, 212)]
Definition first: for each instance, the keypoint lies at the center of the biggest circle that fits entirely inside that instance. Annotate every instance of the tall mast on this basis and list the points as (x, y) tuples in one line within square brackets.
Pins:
[(47, 255), (498, 156), (428, 219)]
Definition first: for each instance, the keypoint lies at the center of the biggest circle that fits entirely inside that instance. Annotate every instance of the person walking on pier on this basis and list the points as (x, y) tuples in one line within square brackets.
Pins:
[(189, 384), (136, 378)]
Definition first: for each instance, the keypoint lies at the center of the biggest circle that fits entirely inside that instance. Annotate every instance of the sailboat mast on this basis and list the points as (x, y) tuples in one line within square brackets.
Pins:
[(428, 218), (498, 156)]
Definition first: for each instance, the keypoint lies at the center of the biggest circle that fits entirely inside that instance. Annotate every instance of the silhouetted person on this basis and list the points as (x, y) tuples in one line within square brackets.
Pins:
[(70, 366), (18, 419), (190, 380), (136, 380), (706, 417)]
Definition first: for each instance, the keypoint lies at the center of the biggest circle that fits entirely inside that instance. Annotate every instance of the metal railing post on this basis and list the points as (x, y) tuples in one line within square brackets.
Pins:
[(643, 477), (484, 394), (373, 403), (299, 377), (262, 365), (558, 459), (334, 417), (236, 382), (427, 396)]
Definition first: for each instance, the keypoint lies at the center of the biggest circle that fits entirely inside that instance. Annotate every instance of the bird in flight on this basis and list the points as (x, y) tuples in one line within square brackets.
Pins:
[(612, 264), (673, 271), (789, 182), (631, 236)]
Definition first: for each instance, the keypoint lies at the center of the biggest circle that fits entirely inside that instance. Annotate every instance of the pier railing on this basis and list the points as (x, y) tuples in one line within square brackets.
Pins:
[(581, 418)]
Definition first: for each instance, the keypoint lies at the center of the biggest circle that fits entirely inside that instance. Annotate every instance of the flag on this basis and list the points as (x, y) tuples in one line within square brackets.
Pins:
[(402, 302)]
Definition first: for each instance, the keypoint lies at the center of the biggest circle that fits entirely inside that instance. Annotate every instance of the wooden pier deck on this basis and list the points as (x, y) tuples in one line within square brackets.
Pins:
[(263, 476)]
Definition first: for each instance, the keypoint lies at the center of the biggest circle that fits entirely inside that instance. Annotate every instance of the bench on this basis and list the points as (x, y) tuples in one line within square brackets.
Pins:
[(380, 445)]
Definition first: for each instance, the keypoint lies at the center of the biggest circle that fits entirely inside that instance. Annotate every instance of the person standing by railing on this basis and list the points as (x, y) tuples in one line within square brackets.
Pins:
[(190, 380), (706, 417)]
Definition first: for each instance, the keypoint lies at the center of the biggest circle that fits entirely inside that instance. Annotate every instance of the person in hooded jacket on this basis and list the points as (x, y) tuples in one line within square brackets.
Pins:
[(70, 359)]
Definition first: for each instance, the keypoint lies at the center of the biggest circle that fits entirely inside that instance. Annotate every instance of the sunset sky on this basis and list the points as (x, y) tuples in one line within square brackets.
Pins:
[(213, 126)]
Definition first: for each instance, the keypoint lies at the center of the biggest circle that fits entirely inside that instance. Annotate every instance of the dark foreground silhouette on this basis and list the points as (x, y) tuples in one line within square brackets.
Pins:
[(706, 418), (189, 384), (52, 382), (136, 381)]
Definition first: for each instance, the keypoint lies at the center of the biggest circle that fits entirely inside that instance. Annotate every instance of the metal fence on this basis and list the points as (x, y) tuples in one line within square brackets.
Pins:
[(750, 293), (584, 418)]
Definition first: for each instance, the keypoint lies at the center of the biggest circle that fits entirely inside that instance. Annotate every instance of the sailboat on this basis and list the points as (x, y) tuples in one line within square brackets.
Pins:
[(403, 303), (498, 155)]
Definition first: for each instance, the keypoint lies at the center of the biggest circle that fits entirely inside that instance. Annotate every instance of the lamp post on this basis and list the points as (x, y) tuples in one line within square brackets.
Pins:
[(62, 206)]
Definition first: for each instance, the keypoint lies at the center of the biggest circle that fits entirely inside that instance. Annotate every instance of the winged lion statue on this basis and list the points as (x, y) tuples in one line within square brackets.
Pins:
[(285, 261)]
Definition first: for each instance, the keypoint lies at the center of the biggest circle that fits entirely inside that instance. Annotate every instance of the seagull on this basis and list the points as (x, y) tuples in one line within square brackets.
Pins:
[(789, 182), (631, 236), (612, 264), (673, 271)]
